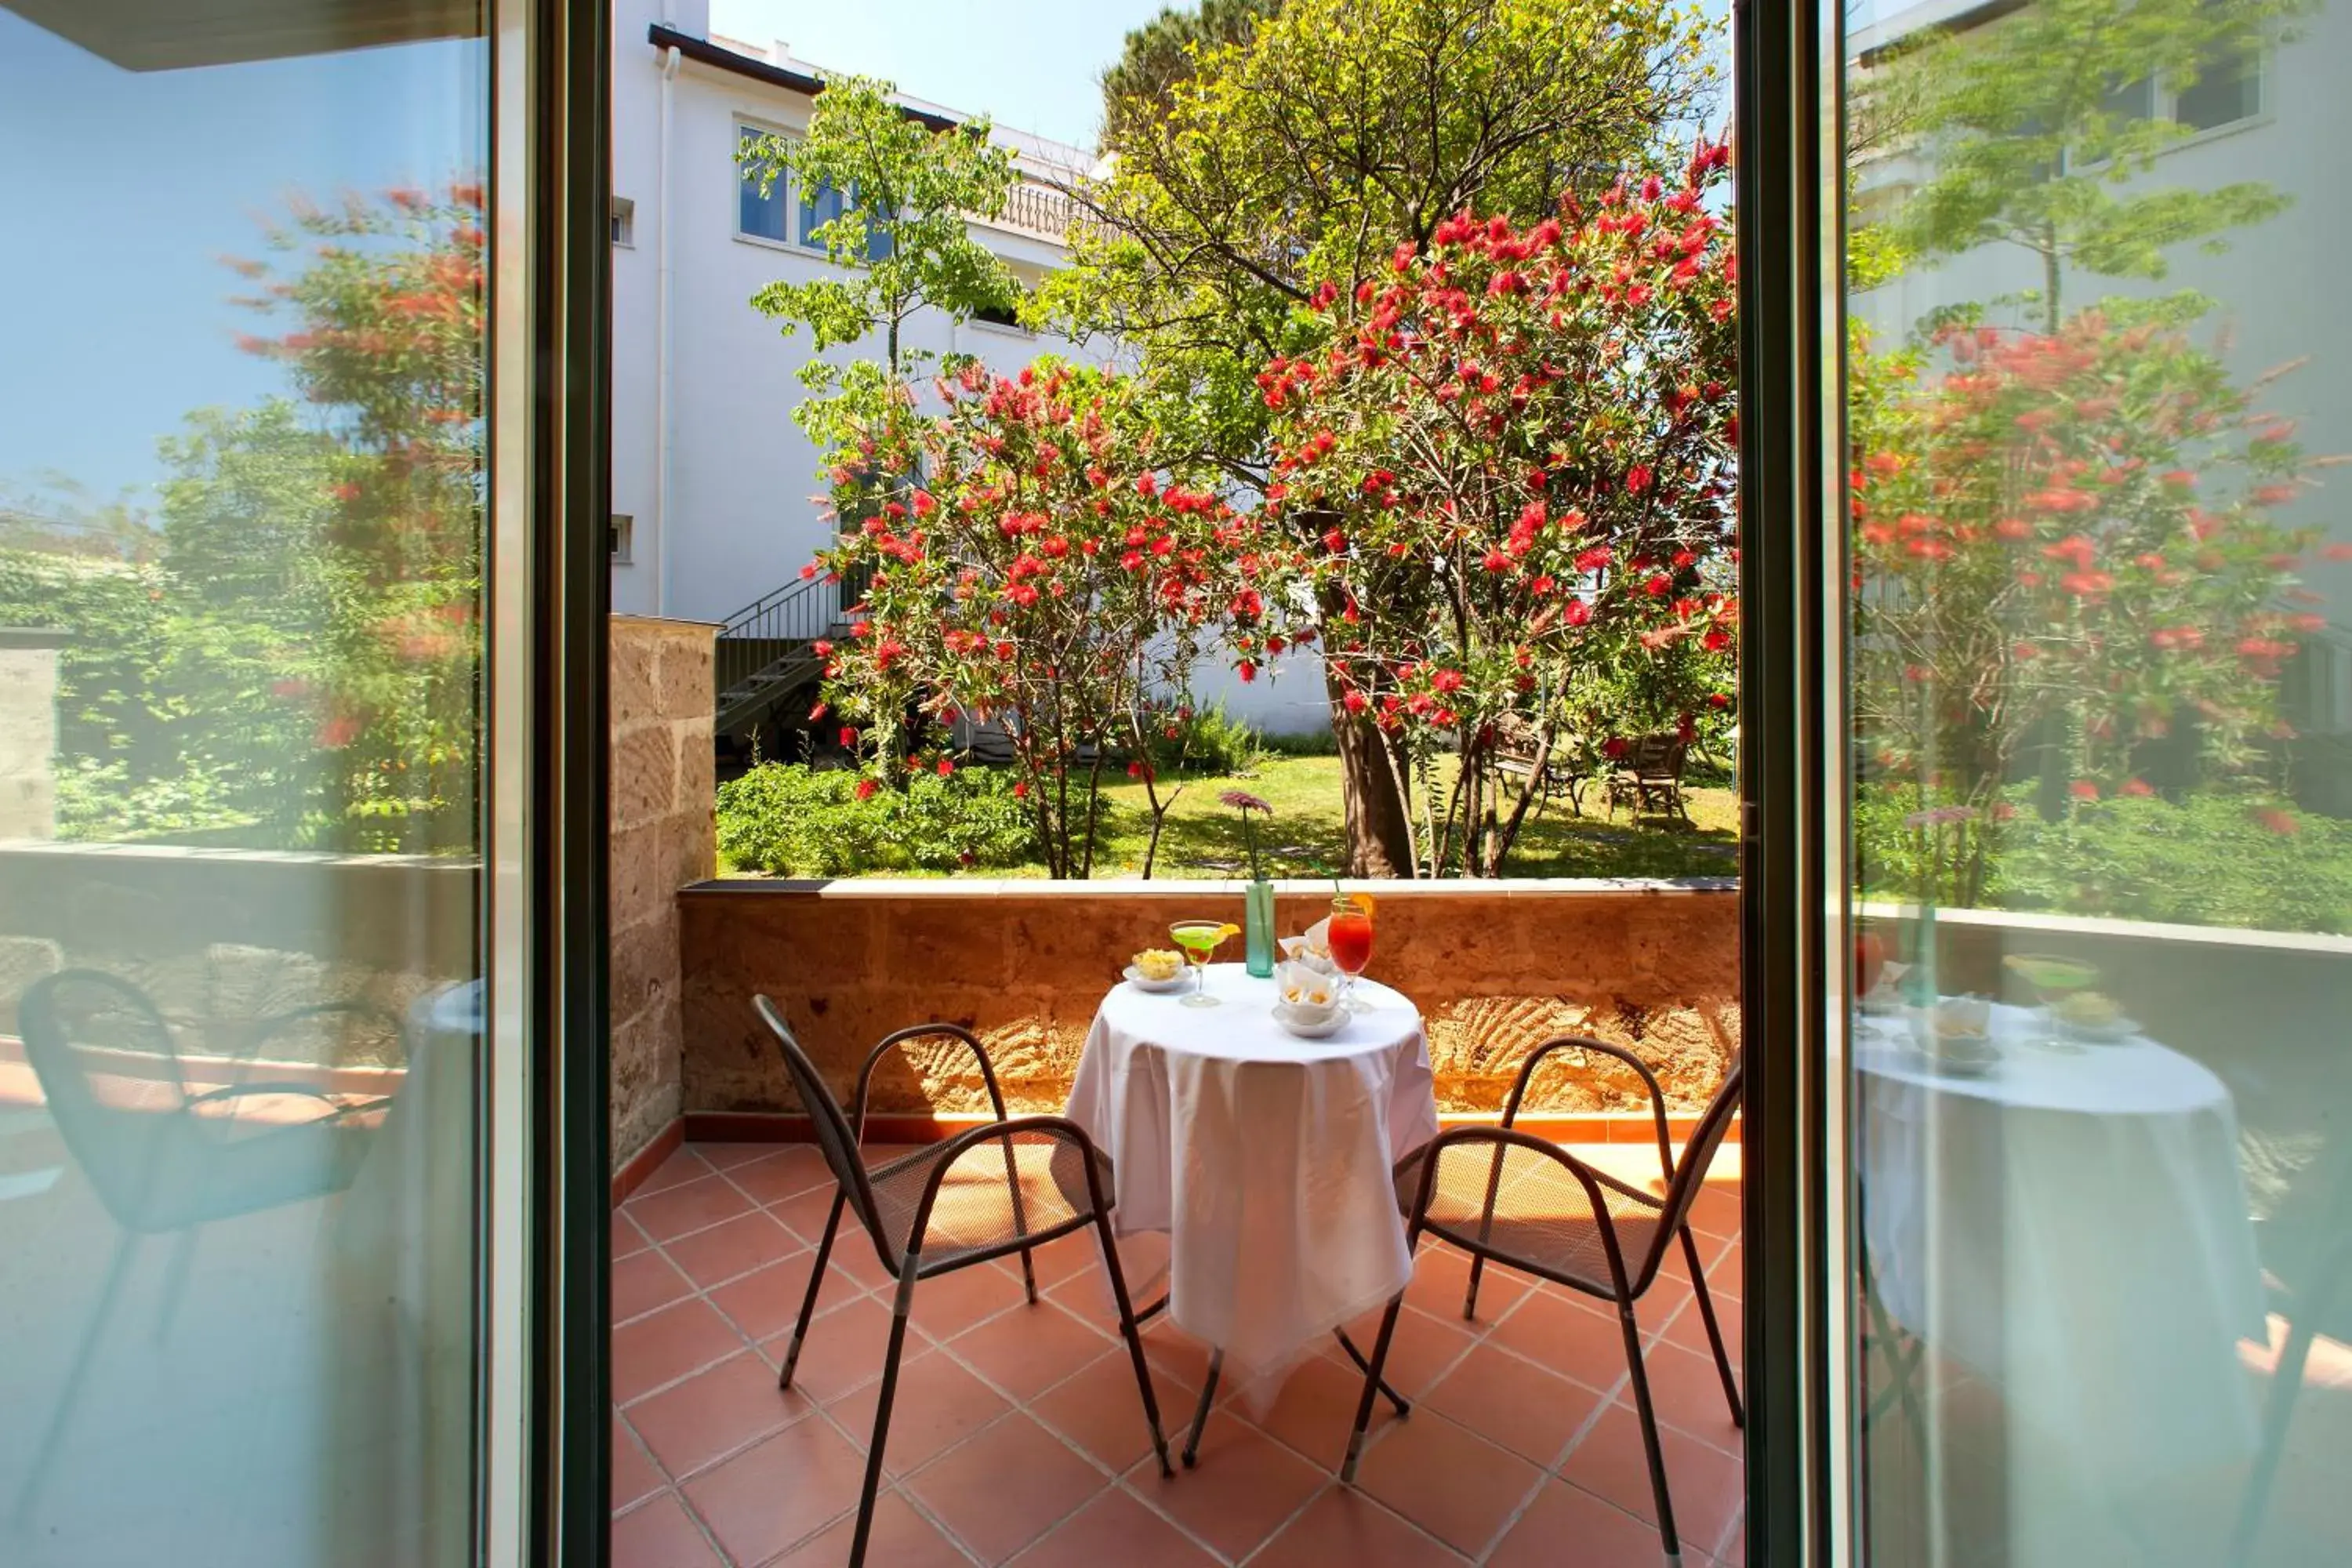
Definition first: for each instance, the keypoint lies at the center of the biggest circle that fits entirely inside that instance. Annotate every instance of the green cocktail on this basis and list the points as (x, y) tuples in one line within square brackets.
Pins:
[(1199, 940)]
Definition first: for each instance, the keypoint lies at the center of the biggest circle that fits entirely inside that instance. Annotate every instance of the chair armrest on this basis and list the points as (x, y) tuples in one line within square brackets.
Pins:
[(1585, 1042), (893, 1041), (1058, 1127), (278, 1023), (1590, 1179)]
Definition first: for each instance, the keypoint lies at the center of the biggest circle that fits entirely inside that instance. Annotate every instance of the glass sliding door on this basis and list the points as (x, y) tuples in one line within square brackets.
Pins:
[(2097, 661), (283, 1006)]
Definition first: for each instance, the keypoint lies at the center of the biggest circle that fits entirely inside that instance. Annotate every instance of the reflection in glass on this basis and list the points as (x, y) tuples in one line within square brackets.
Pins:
[(2102, 1101), (241, 493)]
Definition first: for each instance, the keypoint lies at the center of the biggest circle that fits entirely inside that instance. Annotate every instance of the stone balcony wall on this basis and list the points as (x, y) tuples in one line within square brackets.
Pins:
[(1495, 968), (664, 835)]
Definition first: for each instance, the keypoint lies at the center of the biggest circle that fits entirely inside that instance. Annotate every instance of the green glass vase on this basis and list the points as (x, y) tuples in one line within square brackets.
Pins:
[(1258, 928)]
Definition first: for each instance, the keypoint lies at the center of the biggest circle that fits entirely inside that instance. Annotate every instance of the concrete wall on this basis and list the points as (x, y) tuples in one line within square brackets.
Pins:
[(1494, 969), (28, 732), (664, 835)]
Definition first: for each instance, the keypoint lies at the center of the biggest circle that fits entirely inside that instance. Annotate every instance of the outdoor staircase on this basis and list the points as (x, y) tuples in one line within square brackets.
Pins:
[(767, 653)]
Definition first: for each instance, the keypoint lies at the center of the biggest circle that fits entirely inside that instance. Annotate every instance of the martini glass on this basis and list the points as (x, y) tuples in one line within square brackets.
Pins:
[(2053, 979), (1350, 937), (1199, 940)]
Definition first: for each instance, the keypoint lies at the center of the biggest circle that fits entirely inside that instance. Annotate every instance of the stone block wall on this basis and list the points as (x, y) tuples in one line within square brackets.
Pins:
[(1495, 968), (664, 835), (29, 731)]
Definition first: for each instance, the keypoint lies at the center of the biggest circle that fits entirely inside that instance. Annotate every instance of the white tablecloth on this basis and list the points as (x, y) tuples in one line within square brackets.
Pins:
[(2073, 1227), (1265, 1158)]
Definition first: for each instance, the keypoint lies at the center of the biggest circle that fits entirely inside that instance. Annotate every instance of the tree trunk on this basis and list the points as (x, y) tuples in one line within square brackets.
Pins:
[(1380, 834)]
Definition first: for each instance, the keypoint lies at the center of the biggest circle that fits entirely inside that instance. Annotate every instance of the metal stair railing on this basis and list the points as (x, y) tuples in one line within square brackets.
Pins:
[(764, 649)]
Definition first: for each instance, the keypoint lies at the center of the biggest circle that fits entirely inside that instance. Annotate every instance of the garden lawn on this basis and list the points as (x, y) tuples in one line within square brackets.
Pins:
[(1203, 839)]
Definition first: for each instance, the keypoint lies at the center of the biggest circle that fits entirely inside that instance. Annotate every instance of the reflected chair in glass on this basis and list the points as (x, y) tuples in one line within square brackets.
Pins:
[(932, 1212), (1503, 1194), (163, 1156)]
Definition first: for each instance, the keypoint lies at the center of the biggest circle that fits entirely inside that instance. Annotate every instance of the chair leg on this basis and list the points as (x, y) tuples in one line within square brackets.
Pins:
[(1372, 1387), (45, 1452), (898, 1310), (1020, 1221), (1485, 1231), (1642, 1407), (1403, 1408), (1132, 1334), (175, 1282), (1201, 1411), (1714, 1334), (2278, 1410), (816, 1283)]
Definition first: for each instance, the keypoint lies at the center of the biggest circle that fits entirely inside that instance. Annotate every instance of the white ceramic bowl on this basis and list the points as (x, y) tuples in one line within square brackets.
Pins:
[(1137, 978), (1310, 1022)]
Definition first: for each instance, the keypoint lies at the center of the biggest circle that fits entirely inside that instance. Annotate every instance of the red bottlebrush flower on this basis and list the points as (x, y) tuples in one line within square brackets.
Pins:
[(1355, 702), (2274, 495), (924, 504), (1579, 612), (1658, 586), (1595, 559), (821, 648), (1021, 790), (1497, 560), (1717, 700), (808, 570), (2136, 788), (1004, 650), (848, 738), (290, 689), (947, 768), (1446, 681), (2082, 789), (345, 491), (866, 788), (1542, 585), (1248, 671), (2013, 528), (1147, 484), (2277, 821), (1613, 748), (1638, 479)]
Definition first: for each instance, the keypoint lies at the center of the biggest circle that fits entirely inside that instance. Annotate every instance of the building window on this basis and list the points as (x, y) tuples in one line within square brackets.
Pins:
[(624, 221), (995, 317), (761, 216), (621, 535), (2228, 90), (818, 207)]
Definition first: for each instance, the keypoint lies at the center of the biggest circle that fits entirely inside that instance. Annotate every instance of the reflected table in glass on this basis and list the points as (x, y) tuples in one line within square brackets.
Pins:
[(2071, 1226)]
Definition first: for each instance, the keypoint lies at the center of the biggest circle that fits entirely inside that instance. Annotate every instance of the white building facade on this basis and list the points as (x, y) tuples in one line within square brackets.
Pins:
[(713, 483)]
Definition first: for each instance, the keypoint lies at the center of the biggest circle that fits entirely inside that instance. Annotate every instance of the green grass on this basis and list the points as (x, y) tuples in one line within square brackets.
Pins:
[(1203, 839)]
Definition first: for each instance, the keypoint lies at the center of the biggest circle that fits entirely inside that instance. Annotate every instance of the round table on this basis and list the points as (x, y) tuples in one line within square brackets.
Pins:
[(2073, 1226), (1265, 1158)]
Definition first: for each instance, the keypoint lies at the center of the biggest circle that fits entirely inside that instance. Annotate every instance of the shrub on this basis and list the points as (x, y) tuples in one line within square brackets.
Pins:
[(793, 821), (2214, 859), (1208, 741)]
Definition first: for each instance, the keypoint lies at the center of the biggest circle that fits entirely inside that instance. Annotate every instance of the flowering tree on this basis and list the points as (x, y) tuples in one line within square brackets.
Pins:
[(2064, 535), (1520, 446), (1044, 573)]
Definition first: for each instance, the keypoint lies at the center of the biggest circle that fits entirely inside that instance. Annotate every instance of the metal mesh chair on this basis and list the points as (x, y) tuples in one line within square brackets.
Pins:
[(1501, 1193), (1033, 1180)]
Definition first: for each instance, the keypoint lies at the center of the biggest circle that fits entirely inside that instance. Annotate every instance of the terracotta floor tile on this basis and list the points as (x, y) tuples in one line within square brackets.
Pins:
[(1003, 1488), (660, 1536), (1441, 1278), (806, 1210), (1732, 1551), (1316, 1409), (714, 1412), (688, 1207), (1568, 1525), (635, 1477), (665, 1345), (1060, 1259), (1448, 1480), (1027, 1352), (731, 1248), (1689, 1330), (1246, 1488), (1344, 1526), (1114, 1531), (1687, 1393), (1715, 1210), (938, 1405), (643, 1281), (844, 1350), (1567, 1337), (1424, 1348), (773, 1496), (767, 1301), (900, 1538), (948, 1305), (727, 1156), (781, 1173), (1528, 1410), (627, 1239), (1101, 1410), (1172, 1350), (1706, 1483), (683, 1165)]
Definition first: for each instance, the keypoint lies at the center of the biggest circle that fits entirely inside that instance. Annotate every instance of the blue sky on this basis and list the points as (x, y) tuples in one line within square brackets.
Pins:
[(1033, 66)]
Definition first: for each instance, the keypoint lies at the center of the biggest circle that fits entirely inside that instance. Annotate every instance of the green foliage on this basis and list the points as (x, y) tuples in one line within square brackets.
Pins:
[(2033, 129), (900, 242), (793, 821), (1307, 147), (1142, 86), (2214, 859), (1208, 740)]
